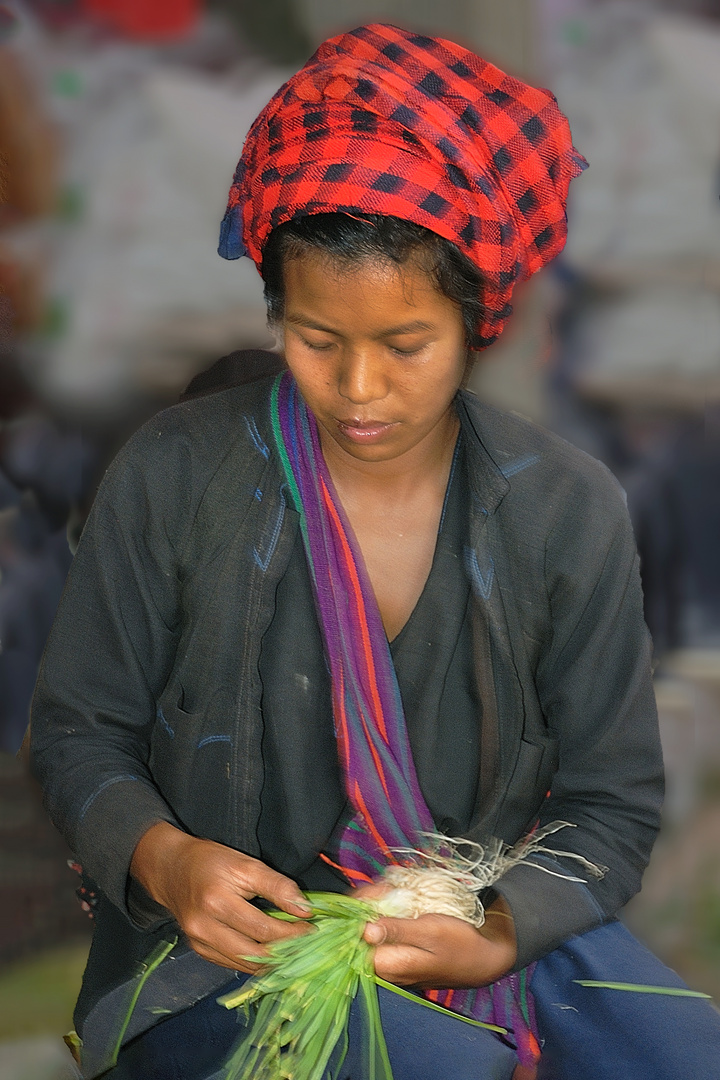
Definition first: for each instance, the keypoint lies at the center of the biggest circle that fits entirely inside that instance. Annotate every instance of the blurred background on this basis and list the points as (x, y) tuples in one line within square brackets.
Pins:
[(120, 125)]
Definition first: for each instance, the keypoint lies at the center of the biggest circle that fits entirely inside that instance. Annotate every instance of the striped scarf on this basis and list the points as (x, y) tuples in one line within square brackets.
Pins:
[(374, 750)]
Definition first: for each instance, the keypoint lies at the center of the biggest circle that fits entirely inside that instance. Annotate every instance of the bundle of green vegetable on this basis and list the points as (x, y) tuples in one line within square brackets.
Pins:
[(302, 999)]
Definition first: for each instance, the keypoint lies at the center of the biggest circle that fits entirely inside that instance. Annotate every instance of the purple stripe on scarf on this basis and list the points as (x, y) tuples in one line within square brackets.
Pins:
[(374, 748)]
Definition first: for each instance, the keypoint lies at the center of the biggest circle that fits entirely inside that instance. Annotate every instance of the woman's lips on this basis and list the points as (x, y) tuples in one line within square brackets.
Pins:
[(364, 431)]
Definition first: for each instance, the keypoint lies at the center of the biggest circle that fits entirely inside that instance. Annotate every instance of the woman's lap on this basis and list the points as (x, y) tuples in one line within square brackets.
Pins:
[(587, 1033), (598, 1034), (188, 1046), (422, 1045)]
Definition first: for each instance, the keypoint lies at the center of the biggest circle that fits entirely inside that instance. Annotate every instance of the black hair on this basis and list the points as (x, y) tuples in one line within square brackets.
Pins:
[(369, 236)]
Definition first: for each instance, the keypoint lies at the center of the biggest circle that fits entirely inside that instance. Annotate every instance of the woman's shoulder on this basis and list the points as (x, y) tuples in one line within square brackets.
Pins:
[(527, 454), (203, 430), (191, 462), (557, 505)]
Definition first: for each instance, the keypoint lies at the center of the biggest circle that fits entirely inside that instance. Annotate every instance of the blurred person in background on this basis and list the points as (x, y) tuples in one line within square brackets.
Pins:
[(44, 474), (29, 592), (635, 372)]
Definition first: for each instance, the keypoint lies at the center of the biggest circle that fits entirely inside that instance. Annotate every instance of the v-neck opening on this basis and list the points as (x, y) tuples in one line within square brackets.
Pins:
[(438, 542)]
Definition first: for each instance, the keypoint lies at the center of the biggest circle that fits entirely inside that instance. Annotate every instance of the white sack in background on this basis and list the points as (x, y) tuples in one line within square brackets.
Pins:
[(651, 190), (139, 275)]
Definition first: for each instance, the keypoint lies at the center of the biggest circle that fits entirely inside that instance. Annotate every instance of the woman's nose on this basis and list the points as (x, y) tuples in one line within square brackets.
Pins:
[(362, 377)]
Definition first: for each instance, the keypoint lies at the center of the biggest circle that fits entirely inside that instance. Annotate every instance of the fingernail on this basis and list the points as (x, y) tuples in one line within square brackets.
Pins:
[(375, 934)]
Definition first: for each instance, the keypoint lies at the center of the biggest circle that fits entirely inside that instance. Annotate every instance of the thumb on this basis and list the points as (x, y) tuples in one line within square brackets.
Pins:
[(391, 932), (375, 933)]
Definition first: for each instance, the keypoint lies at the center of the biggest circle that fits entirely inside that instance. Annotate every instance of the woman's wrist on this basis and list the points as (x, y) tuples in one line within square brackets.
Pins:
[(499, 930), (155, 859)]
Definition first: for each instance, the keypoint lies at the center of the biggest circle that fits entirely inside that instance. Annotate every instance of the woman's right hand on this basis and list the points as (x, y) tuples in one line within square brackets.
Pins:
[(208, 888)]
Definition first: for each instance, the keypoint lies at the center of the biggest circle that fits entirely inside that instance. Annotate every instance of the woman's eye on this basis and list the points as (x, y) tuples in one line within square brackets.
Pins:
[(318, 346), (407, 352)]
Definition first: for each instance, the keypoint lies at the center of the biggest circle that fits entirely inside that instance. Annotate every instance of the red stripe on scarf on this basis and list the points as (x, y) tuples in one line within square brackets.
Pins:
[(376, 758), (342, 731), (347, 871), (360, 803), (364, 631)]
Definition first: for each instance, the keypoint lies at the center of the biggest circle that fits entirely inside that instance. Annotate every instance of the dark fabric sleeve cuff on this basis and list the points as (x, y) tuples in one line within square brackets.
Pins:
[(144, 912), (119, 815), (547, 910)]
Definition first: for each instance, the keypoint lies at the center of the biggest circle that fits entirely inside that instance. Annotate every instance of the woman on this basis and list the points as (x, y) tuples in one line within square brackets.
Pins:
[(327, 613)]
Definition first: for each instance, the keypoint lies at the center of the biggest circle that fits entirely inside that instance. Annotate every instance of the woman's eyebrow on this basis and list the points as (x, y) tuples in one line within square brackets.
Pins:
[(310, 324), (407, 328), (393, 331)]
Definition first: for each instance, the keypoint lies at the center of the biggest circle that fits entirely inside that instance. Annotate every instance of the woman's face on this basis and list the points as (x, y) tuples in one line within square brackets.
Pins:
[(377, 351)]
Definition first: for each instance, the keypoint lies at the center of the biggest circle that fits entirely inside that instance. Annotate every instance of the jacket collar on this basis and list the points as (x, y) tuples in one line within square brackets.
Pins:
[(487, 482)]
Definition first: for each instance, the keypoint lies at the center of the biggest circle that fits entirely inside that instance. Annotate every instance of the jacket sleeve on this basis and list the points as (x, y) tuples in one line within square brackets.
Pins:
[(594, 684), (107, 659)]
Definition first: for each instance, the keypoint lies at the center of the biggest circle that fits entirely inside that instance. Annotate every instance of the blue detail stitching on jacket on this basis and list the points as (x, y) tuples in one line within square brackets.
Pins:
[(476, 502), (264, 563), (484, 581), (256, 436), (161, 717), (212, 739), (517, 466), (106, 783)]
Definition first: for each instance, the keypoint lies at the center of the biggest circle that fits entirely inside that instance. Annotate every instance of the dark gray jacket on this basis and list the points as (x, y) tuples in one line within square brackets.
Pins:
[(148, 702)]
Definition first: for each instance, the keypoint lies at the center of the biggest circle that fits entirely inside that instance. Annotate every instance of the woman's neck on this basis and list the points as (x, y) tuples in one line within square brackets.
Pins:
[(425, 466), (394, 508)]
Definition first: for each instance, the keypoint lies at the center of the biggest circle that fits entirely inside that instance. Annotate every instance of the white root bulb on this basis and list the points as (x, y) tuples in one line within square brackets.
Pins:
[(447, 876), (419, 890)]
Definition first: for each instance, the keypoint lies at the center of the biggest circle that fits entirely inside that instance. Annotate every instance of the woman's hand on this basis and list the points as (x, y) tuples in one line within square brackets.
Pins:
[(439, 951), (207, 887)]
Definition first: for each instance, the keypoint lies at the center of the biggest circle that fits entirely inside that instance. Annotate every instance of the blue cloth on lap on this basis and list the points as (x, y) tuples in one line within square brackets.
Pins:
[(587, 1033), (597, 1034)]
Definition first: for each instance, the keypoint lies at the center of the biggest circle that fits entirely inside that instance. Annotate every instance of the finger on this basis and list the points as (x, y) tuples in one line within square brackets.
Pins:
[(246, 919), (401, 964), (371, 892), (236, 937), (439, 951), (281, 891), (225, 955), (400, 956)]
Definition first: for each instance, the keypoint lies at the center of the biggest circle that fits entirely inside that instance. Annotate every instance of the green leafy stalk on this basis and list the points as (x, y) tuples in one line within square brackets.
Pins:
[(673, 991), (153, 961), (438, 1008), (301, 1002), (377, 1064)]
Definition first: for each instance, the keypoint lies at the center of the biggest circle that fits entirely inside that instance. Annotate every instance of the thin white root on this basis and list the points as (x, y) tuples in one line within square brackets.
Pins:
[(442, 881), (424, 890)]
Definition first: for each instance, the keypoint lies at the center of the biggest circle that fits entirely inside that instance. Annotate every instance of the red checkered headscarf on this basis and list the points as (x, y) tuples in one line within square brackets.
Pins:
[(384, 121)]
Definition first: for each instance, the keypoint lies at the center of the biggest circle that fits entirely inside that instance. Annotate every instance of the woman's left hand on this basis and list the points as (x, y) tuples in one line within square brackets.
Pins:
[(439, 951)]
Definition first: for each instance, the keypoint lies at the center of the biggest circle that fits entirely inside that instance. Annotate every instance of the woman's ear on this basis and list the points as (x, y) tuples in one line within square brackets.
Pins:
[(471, 357), (278, 333)]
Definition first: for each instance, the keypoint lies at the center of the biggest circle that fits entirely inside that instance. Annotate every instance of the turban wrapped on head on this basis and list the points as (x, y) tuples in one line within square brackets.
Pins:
[(384, 121)]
